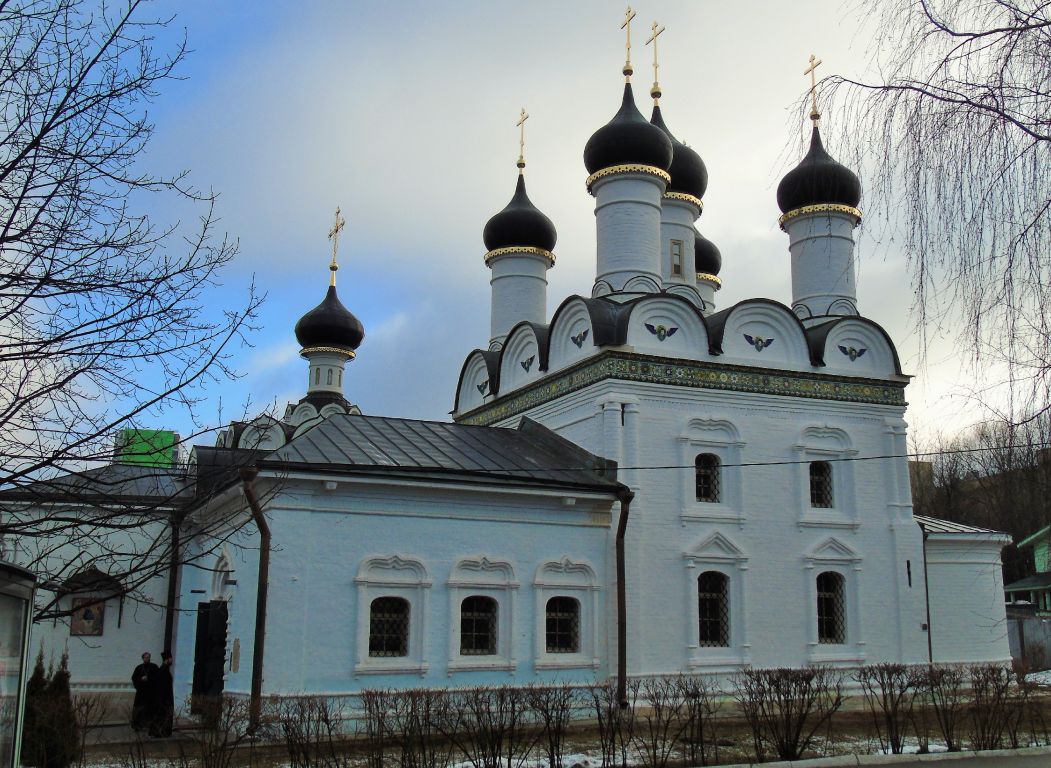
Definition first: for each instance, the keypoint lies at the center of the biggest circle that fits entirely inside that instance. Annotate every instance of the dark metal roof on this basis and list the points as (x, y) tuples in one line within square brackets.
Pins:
[(1036, 581), (530, 455), (113, 483), (934, 525)]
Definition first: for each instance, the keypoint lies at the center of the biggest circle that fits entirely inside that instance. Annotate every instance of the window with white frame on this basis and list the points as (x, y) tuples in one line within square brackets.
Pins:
[(482, 612), (711, 492), (717, 632), (831, 609), (568, 600), (832, 571), (676, 252), (825, 478), (389, 627), (391, 615), (713, 609)]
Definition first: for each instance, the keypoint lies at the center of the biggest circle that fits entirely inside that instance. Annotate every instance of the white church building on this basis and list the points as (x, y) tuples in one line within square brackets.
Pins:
[(714, 487)]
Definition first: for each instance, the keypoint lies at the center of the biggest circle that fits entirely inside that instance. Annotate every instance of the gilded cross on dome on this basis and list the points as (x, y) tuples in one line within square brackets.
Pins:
[(521, 139), (626, 25), (333, 235), (655, 91), (812, 71)]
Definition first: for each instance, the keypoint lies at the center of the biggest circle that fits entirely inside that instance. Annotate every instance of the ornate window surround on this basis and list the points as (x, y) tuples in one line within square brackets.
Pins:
[(832, 444), (493, 578), (720, 438), (834, 555), (717, 553), (567, 578), (392, 576)]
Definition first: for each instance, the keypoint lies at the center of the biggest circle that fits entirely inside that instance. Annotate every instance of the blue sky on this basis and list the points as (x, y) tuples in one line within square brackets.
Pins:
[(402, 114)]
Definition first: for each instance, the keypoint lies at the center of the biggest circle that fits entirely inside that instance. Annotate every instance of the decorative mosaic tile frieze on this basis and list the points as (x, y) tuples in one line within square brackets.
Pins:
[(627, 366)]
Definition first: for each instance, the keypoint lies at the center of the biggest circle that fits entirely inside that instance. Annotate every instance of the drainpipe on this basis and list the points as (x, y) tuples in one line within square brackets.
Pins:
[(625, 496), (927, 595), (248, 474), (173, 577)]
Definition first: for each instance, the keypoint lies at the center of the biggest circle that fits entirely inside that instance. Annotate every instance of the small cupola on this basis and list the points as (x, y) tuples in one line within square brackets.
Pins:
[(520, 224), (688, 173), (818, 180), (329, 335), (628, 139), (520, 240)]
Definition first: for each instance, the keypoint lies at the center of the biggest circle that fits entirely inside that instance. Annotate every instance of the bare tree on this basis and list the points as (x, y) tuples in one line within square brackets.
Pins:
[(103, 320), (955, 138), (996, 475)]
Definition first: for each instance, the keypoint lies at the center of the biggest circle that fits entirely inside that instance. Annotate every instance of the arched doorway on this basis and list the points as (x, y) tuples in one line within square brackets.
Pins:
[(209, 655)]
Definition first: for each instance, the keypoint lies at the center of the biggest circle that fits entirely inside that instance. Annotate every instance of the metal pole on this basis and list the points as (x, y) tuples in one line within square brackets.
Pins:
[(248, 474), (625, 497)]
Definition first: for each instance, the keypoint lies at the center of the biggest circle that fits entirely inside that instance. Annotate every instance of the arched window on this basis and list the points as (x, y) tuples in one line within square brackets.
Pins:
[(713, 604), (329, 377), (389, 627), (317, 375), (831, 611), (478, 626), (707, 473), (563, 625), (820, 484)]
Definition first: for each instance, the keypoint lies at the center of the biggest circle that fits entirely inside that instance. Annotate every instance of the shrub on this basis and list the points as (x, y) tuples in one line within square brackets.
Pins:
[(888, 697), (784, 708), (49, 735)]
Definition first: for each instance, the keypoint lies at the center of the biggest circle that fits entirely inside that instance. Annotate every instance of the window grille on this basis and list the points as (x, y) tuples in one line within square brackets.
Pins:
[(478, 626), (820, 484), (831, 613), (713, 606), (563, 625), (389, 627), (708, 469)]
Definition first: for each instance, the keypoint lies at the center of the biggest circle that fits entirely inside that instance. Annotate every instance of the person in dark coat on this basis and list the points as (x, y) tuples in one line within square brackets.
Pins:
[(144, 678), (165, 697)]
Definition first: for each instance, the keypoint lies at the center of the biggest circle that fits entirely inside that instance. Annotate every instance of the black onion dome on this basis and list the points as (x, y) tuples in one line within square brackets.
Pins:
[(520, 224), (330, 324), (688, 173), (818, 180), (628, 139), (707, 258)]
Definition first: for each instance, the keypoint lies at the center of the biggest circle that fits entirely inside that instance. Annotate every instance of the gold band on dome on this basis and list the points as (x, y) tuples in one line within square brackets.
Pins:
[(518, 249), (615, 169), (822, 208), (339, 350), (682, 197), (709, 278)]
